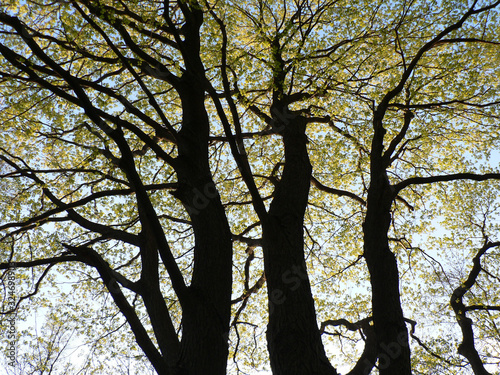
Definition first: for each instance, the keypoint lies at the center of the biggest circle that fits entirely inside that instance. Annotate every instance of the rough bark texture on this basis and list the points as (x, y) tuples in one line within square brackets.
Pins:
[(389, 324), (390, 328), (206, 310), (294, 341)]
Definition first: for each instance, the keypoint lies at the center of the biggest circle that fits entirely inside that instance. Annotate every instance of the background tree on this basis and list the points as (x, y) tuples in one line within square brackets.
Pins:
[(166, 160)]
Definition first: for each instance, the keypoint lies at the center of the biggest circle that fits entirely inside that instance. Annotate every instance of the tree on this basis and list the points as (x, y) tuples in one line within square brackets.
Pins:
[(171, 158)]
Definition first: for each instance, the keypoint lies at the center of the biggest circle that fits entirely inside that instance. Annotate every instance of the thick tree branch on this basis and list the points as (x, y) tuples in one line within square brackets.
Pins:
[(482, 308), (38, 262), (467, 347), (338, 192), (408, 116), (444, 178)]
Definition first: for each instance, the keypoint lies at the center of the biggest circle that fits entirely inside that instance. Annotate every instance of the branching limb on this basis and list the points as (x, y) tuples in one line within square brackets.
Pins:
[(235, 141), (45, 272), (368, 358), (38, 262), (408, 116), (423, 345), (482, 308), (92, 258), (259, 283), (466, 347), (444, 178), (61, 207), (338, 192), (380, 112)]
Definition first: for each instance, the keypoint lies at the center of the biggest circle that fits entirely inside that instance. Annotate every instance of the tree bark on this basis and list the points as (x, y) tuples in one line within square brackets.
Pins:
[(294, 341), (389, 324), (206, 310), (467, 347)]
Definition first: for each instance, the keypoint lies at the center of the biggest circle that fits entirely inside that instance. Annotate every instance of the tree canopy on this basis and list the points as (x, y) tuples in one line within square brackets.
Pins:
[(210, 187)]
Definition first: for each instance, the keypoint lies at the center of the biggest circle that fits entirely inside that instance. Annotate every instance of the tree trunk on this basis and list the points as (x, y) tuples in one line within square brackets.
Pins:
[(293, 337), (206, 311), (389, 324)]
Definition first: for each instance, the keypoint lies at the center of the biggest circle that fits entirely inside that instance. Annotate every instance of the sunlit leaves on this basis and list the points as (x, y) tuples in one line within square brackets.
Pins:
[(339, 59)]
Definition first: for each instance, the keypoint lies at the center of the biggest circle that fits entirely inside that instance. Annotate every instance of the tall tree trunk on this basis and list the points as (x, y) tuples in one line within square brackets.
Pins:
[(294, 341), (206, 311), (389, 324)]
